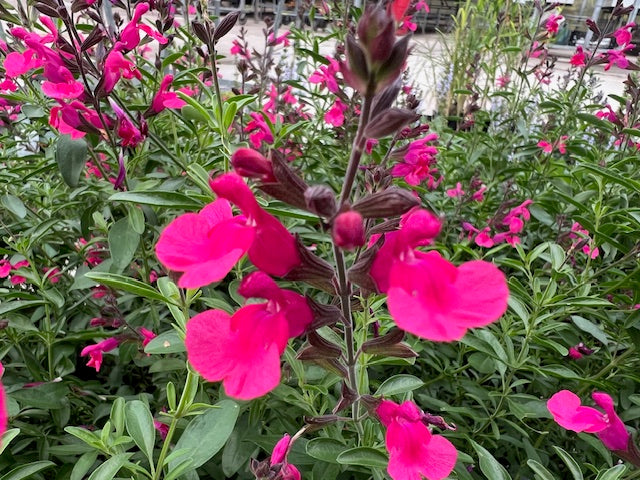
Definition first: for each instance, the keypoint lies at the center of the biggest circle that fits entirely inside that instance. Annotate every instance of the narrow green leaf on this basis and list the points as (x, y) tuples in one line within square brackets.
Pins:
[(363, 456), (26, 471), (83, 465), (167, 342), (7, 437), (399, 384), (158, 198), (14, 205), (123, 243), (614, 473), (489, 465), (111, 467), (120, 282), (71, 156), (540, 471), (573, 466), (140, 426)]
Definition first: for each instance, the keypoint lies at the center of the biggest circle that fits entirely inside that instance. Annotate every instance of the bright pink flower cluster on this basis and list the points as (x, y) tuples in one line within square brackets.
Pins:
[(6, 267), (553, 23), (579, 58), (205, 246), (578, 231), (513, 221), (426, 294), (414, 452), (243, 350), (548, 147), (335, 115), (325, 76), (417, 162), (569, 413), (618, 57)]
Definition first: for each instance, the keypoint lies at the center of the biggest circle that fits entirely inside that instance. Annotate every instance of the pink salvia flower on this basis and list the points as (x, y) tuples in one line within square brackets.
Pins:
[(545, 146), (326, 75), (348, 230), (116, 66), (16, 64), (574, 353), (283, 39), (414, 452), (335, 115), (273, 249), (279, 458), (418, 163), (623, 34), (567, 411), (260, 130), (147, 334), (164, 98), (553, 23), (618, 58), (95, 352), (243, 351), (579, 58), (426, 294), (205, 246)]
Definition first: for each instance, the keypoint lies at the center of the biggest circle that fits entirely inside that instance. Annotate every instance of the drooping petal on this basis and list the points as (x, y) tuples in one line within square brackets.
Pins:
[(567, 411), (615, 436), (274, 248), (207, 342)]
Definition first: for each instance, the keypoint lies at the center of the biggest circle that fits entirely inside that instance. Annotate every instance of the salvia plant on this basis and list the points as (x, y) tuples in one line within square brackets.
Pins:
[(290, 274)]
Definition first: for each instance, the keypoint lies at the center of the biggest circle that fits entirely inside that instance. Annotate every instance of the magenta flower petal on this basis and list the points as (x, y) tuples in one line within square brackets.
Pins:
[(567, 411), (206, 341), (205, 245), (615, 436)]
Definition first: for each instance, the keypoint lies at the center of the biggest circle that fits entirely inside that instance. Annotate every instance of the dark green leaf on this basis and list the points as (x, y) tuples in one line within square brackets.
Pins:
[(71, 156)]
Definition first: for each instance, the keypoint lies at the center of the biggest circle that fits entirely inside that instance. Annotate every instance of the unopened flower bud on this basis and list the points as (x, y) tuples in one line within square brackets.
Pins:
[(389, 345), (376, 32), (348, 230), (388, 122), (391, 202), (321, 200), (356, 72), (225, 25), (251, 164)]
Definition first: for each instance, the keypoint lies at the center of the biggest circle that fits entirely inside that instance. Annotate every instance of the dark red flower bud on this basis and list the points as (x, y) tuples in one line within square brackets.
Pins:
[(321, 200), (348, 230), (251, 164), (391, 202), (388, 122)]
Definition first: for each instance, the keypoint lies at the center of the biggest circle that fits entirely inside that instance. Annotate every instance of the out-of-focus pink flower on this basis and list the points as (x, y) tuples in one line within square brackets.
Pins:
[(579, 58), (162, 428), (406, 26), (553, 23), (335, 115), (95, 352), (578, 231), (618, 57), (147, 334), (478, 195), (414, 452), (422, 5), (483, 239), (205, 246), (164, 98), (53, 274), (548, 147), (326, 75), (243, 351), (623, 34), (238, 49), (607, 113), (503, 81), (426, 294), (283, 39), (567, 411), (418, 160), (369, 145), (580, 350), (260, 131), (574, 353), (398, 8), (5, 268), (274, 248)]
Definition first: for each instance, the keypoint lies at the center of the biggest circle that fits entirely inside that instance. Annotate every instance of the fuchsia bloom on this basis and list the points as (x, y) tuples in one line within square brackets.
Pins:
[(398, 8), (243, 351), (260, 130), (426, 294), (279, 457), (348, 230), (418, 160), (414, 452), (607, 113), (623, 34), (95, 352), (130, 35), (578, 231), (274, 248), (579, 58), (70, 118), (503, 81), (205, 246), (568, 412), (326, 75), (147, 334), (335, 115), (283, 39), (116, 66), (126, 130), (164, 98), (16, 64), (618, 58), (553, 23), (559, 144)]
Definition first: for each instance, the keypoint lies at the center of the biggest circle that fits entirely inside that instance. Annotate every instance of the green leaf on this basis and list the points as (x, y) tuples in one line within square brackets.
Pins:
[(111, 467), (7, 307), (325, 449), (591, 328), (48, 396), (82, 466), (363, 456), (489, 465), (120, 282), (123, 243), (86, 436), (136, 220), (14, 205), (26, 471), (614, 473), (207, 433), (140, 426), (71, 156), (158, 198), (167, 342), (7, 437), (573, 466), (399, 384), (540, 471)]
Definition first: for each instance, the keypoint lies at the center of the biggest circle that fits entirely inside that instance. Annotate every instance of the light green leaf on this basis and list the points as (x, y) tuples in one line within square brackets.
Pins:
[(123, 243), (167, 342), (399, 384), (111, 467), (26, 471), (158, 198), (325, 449), (363, 456), (71, 156), (489, 465), (120, 282), (574, 468), (140, 426), (540, 471)]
